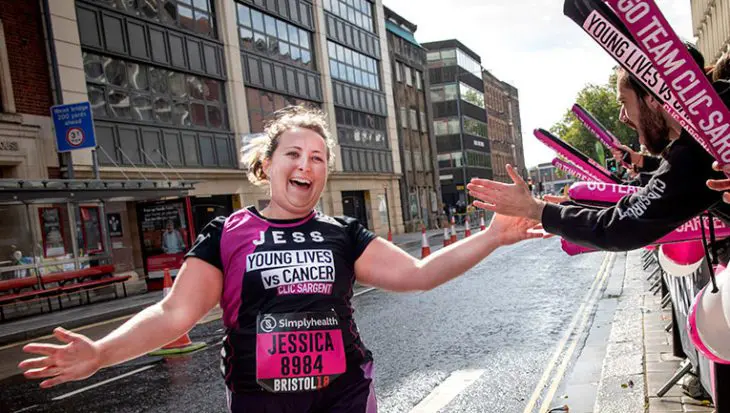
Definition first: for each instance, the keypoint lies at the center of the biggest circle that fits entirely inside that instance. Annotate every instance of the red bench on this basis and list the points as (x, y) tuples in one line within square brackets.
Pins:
[(14, 292), (59, 284), (85, 280)]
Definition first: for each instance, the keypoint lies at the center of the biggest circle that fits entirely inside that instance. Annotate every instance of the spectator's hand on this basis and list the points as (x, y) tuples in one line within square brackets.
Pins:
[(721, 184), (506, 199), (78, 359), (618, 154)]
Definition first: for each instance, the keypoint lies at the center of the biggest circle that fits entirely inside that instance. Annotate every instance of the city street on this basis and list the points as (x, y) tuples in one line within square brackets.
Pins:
[(502, 338)]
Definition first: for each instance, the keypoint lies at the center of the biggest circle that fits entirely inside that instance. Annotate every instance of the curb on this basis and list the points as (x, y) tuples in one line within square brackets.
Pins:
[(417, 243), (33, 332)]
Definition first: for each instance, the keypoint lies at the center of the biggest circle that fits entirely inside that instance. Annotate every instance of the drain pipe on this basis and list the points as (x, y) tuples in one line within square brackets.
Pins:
[(56, 78)]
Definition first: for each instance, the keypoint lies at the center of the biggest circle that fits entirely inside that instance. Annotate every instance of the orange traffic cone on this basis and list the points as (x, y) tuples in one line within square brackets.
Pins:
[(390, 236), (447, 237), (453, 230), (182, 344), (467, 230), (425, 249), (482, 227)]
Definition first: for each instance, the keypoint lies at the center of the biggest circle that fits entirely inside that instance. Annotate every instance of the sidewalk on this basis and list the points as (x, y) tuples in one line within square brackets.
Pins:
[(639, 356)]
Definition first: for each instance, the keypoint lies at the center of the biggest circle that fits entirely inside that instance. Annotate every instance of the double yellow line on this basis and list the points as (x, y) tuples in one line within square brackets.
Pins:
[(575, 330)]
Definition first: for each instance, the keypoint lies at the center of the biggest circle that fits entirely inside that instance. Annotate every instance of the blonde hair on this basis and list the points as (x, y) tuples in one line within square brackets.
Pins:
[(721, 71), (262, 148)]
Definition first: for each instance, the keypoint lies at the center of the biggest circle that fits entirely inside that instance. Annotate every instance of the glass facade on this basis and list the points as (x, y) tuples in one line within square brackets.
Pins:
[(262, 104), (357, 12), (268, 35), (448, 126), (194, 15), (475, 127), (360, 129), (471, 95), (353, 67), (124, 90)]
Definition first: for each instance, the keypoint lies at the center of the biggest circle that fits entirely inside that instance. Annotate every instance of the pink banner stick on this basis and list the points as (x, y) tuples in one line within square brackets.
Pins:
[(596, 128), (574, 156), (574, 170), (596, 19)]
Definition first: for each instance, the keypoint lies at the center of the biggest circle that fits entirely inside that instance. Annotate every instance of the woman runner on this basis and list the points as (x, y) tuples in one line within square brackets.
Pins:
[(283, 277)]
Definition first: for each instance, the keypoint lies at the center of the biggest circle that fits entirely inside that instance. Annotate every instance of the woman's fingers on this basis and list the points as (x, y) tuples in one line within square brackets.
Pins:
[(35, 363), (55, 381), (67, 336), (51, 371), (44, 349)]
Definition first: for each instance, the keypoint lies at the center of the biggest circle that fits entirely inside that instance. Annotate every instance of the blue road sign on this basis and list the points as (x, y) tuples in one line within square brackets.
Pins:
[(74, 126)]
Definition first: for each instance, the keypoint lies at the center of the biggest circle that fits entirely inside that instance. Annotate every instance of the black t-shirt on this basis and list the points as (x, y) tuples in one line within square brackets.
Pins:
[(281, 266)]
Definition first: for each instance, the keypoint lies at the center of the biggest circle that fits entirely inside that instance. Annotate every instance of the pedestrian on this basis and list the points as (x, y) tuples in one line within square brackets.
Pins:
[(284, 277)]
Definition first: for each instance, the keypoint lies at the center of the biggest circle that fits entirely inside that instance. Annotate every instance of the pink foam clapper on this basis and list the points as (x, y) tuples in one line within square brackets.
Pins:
[(574, 156), (600, 192), (593, 125), (574, 170), (708, 322), (574, 249)]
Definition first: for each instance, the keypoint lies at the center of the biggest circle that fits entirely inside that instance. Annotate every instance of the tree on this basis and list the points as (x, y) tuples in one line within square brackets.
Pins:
[(600, 101)]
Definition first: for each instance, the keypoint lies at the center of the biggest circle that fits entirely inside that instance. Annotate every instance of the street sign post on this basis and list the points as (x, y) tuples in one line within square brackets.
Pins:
[(74, 126)]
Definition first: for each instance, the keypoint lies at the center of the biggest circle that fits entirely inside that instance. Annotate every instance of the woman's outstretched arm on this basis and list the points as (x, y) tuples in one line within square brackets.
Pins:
[(386, 266), (196, 291)]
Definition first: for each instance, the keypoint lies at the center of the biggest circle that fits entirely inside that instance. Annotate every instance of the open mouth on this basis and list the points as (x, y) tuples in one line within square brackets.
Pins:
[(301, 183)]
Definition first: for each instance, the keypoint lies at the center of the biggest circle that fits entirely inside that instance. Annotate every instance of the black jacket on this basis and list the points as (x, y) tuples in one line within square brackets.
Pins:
[(676, 193)]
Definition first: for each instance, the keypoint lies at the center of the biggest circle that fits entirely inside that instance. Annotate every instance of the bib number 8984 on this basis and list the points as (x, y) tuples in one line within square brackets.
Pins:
[(295, 365)]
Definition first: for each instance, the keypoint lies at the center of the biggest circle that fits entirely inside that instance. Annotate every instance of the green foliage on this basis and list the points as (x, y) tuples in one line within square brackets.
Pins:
[(600, 101)]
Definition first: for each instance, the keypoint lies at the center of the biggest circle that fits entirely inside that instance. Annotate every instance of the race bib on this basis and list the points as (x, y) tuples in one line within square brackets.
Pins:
[(298, 352)]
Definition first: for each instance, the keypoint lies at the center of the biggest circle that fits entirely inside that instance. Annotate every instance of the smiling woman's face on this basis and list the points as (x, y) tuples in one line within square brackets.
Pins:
[(297, 171)]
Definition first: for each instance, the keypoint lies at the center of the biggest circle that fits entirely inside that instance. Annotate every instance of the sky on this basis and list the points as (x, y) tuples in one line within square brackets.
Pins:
[(531, 45)]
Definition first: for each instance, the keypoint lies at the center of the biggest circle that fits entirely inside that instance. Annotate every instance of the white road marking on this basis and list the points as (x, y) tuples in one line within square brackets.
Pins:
[(457, 382), (597, 281), (27, 409), (101, 383), (361, 292)]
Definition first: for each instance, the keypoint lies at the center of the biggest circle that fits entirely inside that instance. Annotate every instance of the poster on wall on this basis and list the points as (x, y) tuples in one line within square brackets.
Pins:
[(164, 230), (52, 232), (91, 229), (114, 221)]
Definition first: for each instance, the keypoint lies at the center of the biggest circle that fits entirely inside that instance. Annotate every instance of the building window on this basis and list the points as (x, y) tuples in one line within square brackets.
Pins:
[(193, 15), (442, 58), (123, 90), (423, 122), (468, 64), (475, 127), (407, 75), (262, 104), (268, 35), (450, 160), (414, 119), (418, 159), (398, 75), (449, 126), (357, 12), (443, 93), (353, 67), (419, 80), (360, 129), (471, 95), (403, 118), (478, 159), (409, 166)]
